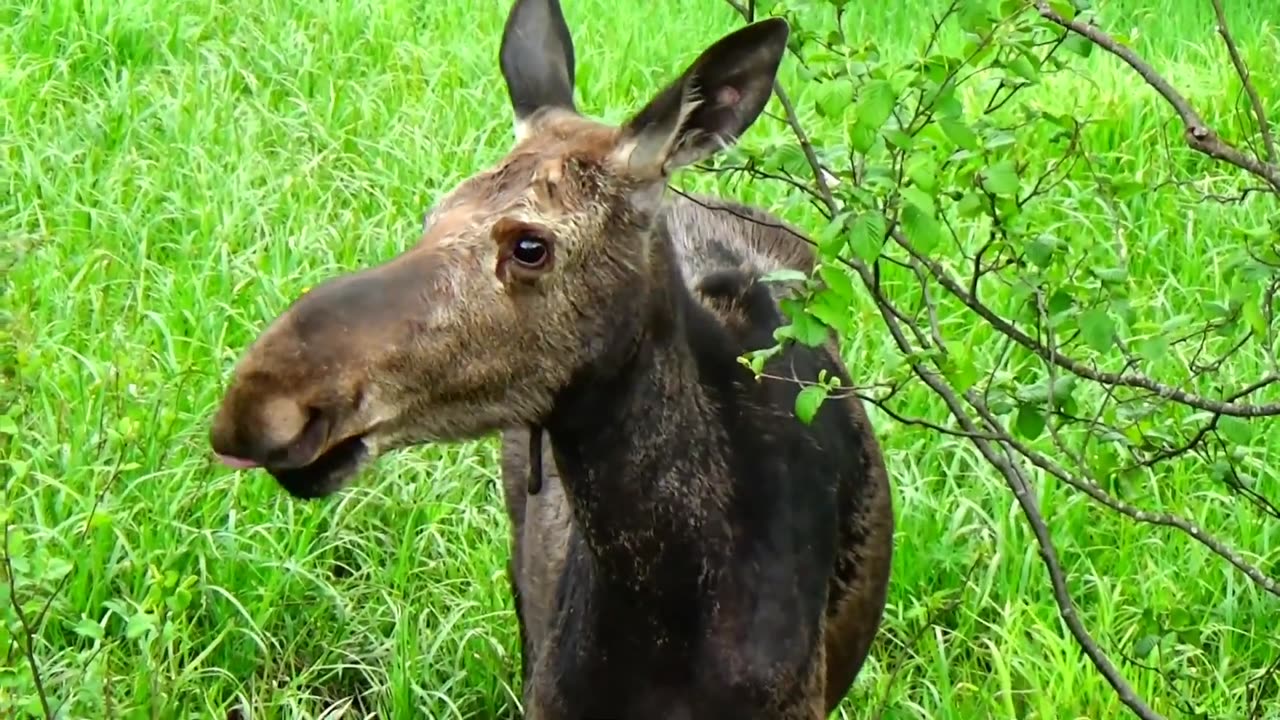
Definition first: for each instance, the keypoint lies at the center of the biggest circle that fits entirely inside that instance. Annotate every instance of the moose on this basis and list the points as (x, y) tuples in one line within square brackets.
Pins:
[(682, 545)]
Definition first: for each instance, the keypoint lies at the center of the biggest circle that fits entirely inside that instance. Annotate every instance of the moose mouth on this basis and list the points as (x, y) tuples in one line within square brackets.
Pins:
[(322, 476), (327, 473)]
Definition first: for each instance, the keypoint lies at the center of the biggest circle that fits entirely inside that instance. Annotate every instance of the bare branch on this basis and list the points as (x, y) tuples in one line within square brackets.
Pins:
[(1198, 135), (1259, 112), (1096, 493), (819, 174), (1076, 367), (28, 630), (1017, 482)]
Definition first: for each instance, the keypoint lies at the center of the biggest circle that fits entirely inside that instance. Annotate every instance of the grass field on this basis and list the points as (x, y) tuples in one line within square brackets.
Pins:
[(171, 176)]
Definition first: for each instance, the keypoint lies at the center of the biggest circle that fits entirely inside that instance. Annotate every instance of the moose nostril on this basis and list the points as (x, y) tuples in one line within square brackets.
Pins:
[(306, 444)]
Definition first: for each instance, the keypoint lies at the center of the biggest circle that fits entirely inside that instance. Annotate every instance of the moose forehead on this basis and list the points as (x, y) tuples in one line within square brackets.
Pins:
[(559, 165)]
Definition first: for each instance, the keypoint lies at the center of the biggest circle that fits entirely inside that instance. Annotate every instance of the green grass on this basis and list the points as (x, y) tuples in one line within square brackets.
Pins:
[(171, 176)]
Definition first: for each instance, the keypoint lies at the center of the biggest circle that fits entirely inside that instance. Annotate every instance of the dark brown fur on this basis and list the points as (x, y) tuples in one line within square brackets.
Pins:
[(695, 551)]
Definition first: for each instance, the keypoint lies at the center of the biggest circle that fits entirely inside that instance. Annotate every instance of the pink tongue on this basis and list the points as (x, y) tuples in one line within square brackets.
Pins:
[(238, 463)]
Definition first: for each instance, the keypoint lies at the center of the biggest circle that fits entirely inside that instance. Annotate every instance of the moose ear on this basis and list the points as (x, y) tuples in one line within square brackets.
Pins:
[(708, 107), (537, 58)]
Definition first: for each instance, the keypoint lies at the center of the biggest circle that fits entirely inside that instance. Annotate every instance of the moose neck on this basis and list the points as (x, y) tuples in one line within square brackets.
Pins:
[(640, 450)]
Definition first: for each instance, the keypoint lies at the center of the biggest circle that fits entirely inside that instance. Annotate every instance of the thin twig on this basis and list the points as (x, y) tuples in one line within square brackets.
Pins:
[(1197, 134), (1133, 380), (1048, 554), (1096, 493), (1259, 112), (819, 175), (28, 632), (929, 622)]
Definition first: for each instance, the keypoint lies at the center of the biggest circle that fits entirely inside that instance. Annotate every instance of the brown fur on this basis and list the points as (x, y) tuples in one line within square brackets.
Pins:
[(652, 579), (861, 581)]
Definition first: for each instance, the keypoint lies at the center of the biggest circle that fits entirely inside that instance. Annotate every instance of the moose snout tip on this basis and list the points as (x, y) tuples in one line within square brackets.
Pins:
[(254, 429)]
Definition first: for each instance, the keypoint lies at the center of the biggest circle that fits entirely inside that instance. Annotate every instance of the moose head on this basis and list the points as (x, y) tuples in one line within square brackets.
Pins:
[(526, 275)]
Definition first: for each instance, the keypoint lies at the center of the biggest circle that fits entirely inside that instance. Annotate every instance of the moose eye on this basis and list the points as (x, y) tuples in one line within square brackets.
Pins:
[(531, 251)]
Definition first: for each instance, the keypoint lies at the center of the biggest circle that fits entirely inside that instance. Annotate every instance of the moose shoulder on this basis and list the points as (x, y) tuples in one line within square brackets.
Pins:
[(691, 550)]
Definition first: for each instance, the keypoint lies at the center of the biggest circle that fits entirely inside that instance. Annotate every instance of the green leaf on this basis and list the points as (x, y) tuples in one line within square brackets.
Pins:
[(1023, 68), (919, 198), (946, 105), (1110, 275), (960, 371), (1038, 394), (18, 469), (783, 275), (179, 600), (971, 205), (866, 236), (1176, 323), (1237, 430), (1000, 405), (808, 330), (923, 171), (999, 137), (1097, 329), (1065, 8), (1252, 312), (959, 133), (862, 137), (838, 281), (1040, 251), (832, 310), (756, 359), (875, 104), (808, 400), (1030, 422), (1059, 302), (88, 628), (1145, 645), (832, 238), (922, 229), (1217, 309), (1154, 348), (1001, 178), (1078, 44), (1125, 189), (898, 138), (138, 624), (8, 426), (788, 157), (832, 97), (975, 17)]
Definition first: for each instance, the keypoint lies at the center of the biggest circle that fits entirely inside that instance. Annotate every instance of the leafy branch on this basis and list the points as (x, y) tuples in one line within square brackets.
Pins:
[(947, 219)]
